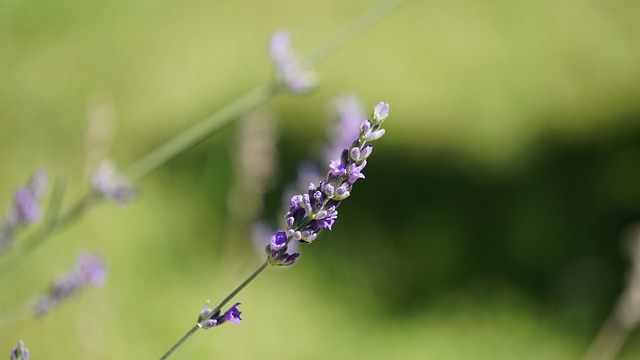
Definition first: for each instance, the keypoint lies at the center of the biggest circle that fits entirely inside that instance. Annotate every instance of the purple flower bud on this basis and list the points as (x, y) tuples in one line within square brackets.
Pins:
[(306, 204), (286, 259), (328, 189), (279, 240), (205, 312), (354, 154), (290, 222), (208, 324), (365, 152), (294, 234), (308, 236), (380, 112), (232, 315), (342, 192), (374, 135), (295, 202), (20, 352), (365, 128), (206, 315)]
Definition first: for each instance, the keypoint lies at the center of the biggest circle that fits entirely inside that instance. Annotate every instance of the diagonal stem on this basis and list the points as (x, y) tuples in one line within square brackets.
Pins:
[(216, 311)]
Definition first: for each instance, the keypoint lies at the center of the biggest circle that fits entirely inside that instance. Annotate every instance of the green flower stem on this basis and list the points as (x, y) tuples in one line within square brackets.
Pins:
[(216, 311), (353, 30), (199, 131)]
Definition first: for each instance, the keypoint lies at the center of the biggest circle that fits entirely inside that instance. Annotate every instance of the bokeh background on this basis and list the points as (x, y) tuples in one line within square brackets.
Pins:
[(491, 224)]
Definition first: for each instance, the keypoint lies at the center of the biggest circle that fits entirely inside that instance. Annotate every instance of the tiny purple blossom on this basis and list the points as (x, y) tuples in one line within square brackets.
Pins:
[(231, 315), (279, 240), (380, 112), (20, 352), (337, 168)]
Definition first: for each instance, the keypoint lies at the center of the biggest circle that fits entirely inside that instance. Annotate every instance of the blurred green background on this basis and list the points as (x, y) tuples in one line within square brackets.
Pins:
[(490, 225)]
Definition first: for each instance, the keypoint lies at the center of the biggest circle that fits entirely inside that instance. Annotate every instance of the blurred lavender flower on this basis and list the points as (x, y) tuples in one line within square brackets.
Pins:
[(110, 184), (317, 209), (349, 113), (25, 208), (89, 270), (255, 167), (296, 76), (20, 352), (206, 320)]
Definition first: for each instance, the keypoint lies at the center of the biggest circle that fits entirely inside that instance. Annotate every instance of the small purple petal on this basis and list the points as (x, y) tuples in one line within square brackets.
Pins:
[(337, 168), (233, 314), (279, 240)]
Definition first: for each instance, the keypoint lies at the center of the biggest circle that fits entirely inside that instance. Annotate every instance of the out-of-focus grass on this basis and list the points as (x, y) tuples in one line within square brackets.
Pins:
[(481, 79)]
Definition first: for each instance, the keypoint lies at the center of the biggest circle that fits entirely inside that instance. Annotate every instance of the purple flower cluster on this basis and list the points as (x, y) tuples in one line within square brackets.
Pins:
[(25, 208), (317, 209), (290, 69), (206, 320), (20, 352), (89, 270), (110, 184)]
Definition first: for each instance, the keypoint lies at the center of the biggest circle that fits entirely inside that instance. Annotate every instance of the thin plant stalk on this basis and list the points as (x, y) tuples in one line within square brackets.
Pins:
[(215, 311)]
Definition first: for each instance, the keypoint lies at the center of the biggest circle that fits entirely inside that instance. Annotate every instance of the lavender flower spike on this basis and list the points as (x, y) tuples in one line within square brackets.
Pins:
[(25, 209), (89, 270), (108, 183), (317, 209), (207, 321), (20, 352), (290, 70)]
